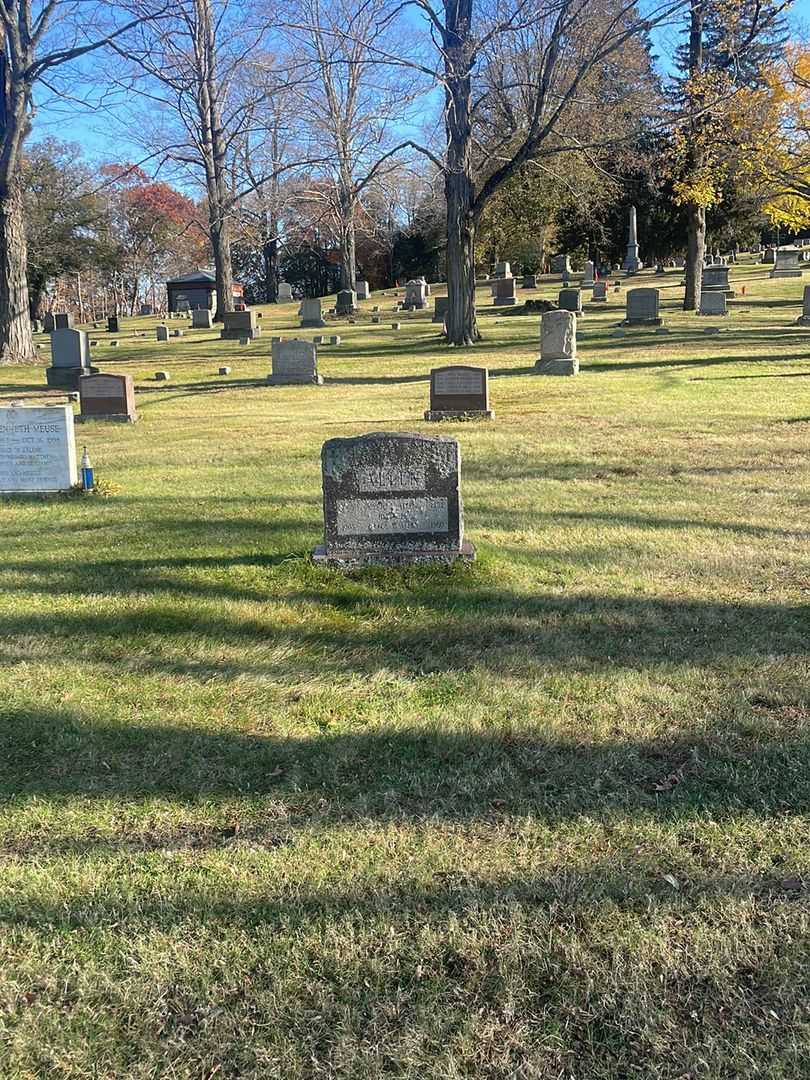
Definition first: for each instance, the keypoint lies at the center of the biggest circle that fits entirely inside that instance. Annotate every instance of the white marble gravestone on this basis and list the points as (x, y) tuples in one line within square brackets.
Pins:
[(37, 449)]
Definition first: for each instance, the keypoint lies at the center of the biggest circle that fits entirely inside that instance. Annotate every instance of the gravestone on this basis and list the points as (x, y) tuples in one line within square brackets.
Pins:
[(177, 333), (392, 498), (503, 292), (113, 325), (224, 370), (334, 339), (529, 281), (346, 302), (295, 363), (362, 290), (147, 309), (284, 292), (599, 291), (459, 392), (70, 359), (202, 319), (715, 279), (713, 303), (415, 296), (239, 324), (558, 344), (769, 255), (48, 323), (107, 397), (561, 264), (36, 326), (587, 277), (440, 305), (63, 320), (162, 376), (570, 300), (311, 314), (502, 270), (37, 449), (423, 281), (804, 318), (787, 264), (162, 333), (642, 308)]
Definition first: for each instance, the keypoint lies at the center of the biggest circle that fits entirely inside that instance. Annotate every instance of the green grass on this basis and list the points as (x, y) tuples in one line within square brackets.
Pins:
[(541, 817)]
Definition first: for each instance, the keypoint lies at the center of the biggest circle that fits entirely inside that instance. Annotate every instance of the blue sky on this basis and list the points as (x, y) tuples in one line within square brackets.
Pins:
[(101, 133)]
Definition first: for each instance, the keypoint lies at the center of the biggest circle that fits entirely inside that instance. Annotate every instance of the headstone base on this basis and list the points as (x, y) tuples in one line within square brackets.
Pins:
[(557, 367), (67, 378), (503, 301), (116, 418), (465, 414), (352, 559), (642, 322), (237, 335), (311, 324), (286, 380), (730, 293), (785, 273)]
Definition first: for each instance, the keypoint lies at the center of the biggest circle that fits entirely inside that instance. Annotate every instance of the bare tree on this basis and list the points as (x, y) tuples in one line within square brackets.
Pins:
[(535, 64), (39, 41), (351, 101)]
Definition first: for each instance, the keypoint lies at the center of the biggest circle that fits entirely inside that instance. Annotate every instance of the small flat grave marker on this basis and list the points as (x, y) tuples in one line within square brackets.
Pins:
[(107, 397), (459, 392)]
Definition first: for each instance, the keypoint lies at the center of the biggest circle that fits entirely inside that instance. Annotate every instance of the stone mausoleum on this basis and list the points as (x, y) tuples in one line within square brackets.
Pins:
[(197, 290)]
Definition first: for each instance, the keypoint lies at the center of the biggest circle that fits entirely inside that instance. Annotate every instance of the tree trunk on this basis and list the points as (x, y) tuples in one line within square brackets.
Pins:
[(695, 214), (15, 320), (695, 252), (348, 264), (270, 259), (221, 243), (461, 327), (460, 324)]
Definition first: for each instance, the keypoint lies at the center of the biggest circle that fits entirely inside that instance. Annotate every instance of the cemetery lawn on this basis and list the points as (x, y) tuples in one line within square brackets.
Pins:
[(545, 816)]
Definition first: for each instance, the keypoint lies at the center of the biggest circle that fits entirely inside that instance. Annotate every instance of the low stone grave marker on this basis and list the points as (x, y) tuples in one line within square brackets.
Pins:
[(396, 326), (202, 319), (162, 333), (599, 292), (415, 296), (459, 392), (239, 324), (295, 363), (713, 303), (503, 292), (642, 307), (334, 339), (786, 264), (362, 290), (224, 371), (37, 449), (570, 300), (311, 313), (392, 498), (346, 302), (107, 397), (558, 344), (284, 292), (70, 359), (715, 279), (161, 376)]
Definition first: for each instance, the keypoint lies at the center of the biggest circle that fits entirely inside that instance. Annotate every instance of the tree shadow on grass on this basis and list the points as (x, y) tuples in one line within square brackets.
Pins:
[(419, 774)]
